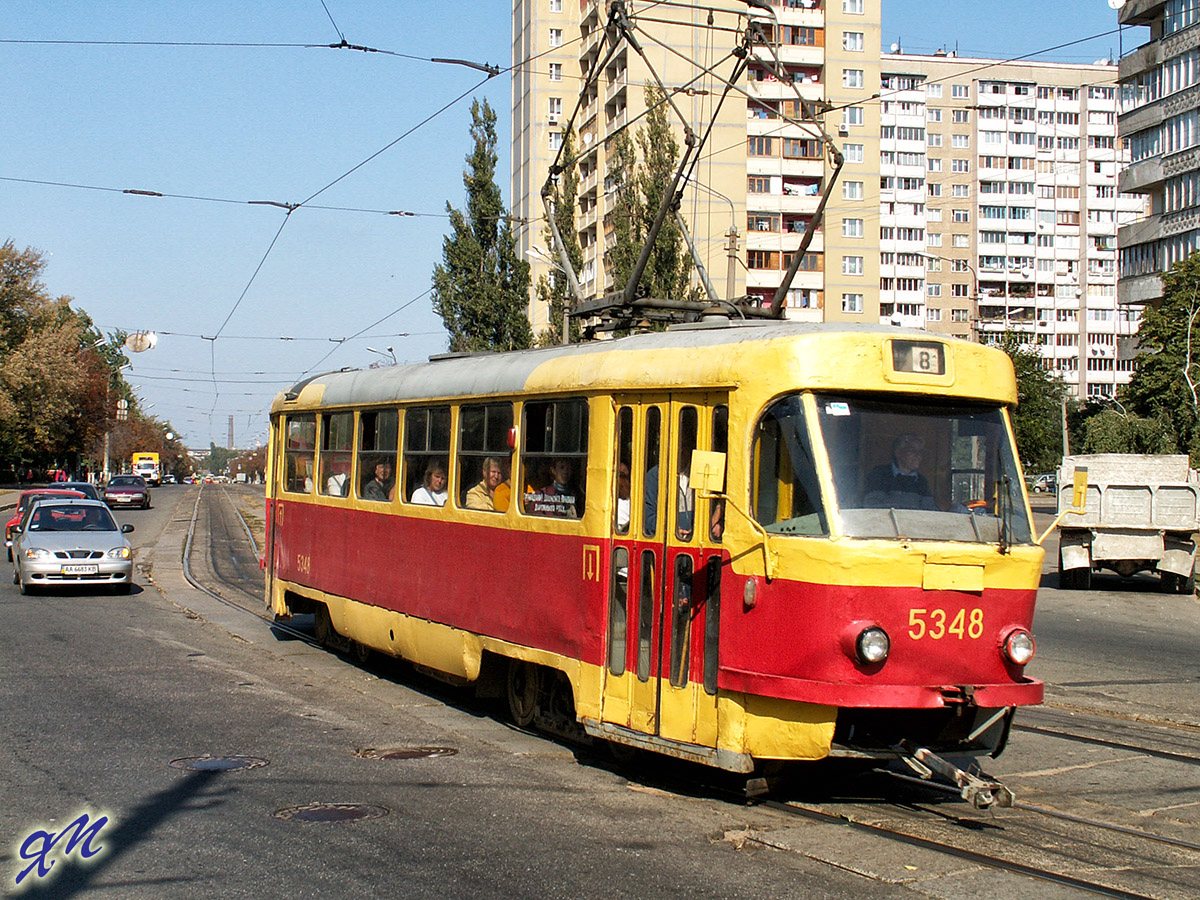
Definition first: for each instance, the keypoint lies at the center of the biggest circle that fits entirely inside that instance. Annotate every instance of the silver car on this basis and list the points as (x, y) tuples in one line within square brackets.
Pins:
[(71, 542)]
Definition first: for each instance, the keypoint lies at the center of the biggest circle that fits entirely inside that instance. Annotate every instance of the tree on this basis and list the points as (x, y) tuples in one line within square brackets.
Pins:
[(481, 289), (555, 291), (1164, 385), (643, 175), (1037, 420)]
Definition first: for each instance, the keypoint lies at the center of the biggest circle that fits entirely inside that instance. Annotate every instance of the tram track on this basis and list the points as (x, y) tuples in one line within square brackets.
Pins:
[(1092, 856), (232, 573)]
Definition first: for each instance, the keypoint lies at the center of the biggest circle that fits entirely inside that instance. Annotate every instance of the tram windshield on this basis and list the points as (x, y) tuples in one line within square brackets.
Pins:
[(907, 468), (923, 469)]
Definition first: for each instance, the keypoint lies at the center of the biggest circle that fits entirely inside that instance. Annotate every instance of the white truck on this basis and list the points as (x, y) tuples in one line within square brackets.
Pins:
[(1142, 513)]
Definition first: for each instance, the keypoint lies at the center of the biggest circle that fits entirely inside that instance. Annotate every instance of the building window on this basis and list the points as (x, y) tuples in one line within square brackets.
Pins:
[(852, 190), (852, 228), (962, 240), (852, 303), (759, 145), (554, 109), (556, 140), (960, 91), (854, 7), (758, 184), (933, 315), (556, 37), (852, 78), (555, 5), (853, 153), (960, 116), (960, 141), (852, 115), (556, 71), (852, 265), (852, 40)]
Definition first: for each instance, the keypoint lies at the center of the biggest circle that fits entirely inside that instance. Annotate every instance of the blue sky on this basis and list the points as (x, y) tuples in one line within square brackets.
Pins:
[(223, 128)]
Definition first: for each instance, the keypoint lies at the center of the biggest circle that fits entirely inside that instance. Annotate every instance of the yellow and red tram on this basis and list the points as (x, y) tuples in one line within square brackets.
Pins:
[(852, 573)]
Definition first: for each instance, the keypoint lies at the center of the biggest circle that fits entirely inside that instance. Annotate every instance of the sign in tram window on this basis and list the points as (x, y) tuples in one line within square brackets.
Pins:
[(484, 456), (919, 357), (377, 431), (426, 447), (337, 438), (300, 449), (720, 444), (554, 458)]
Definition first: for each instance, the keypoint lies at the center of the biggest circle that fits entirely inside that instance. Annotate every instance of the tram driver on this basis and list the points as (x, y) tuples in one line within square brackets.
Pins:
[(898, 484)]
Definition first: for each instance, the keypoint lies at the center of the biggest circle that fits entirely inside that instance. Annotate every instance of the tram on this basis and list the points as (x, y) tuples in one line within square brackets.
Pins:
[(731, 541)]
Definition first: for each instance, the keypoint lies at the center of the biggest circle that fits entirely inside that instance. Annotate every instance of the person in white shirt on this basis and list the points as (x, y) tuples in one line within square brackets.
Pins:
[(433, 491)]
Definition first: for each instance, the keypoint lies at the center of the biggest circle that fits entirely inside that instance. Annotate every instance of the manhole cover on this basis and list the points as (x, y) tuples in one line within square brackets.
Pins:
[(404, 752), (331, 812), (218, 763)]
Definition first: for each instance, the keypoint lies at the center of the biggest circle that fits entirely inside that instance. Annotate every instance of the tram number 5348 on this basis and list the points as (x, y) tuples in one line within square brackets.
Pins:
[(938, 623), (303, 563)]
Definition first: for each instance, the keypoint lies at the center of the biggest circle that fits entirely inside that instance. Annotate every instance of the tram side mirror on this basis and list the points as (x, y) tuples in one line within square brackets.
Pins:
[(707, 474), (1079, 488)]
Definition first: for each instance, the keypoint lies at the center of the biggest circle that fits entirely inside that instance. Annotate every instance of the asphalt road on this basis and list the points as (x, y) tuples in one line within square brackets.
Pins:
[(103, 694)]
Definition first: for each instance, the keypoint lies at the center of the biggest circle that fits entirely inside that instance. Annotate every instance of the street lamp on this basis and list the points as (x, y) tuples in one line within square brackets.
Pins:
[(389, 355)]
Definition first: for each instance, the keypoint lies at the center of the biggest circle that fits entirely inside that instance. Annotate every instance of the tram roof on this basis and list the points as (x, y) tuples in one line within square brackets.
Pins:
[(670, 359)]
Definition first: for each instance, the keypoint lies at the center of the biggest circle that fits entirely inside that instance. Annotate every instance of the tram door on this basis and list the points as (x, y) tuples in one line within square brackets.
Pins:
[(665, 571)]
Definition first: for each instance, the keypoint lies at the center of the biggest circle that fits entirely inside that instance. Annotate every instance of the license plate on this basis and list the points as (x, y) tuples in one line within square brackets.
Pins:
[(81, 569)]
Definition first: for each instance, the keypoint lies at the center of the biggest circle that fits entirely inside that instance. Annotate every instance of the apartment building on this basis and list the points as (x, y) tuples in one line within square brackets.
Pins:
[(1160, 120), (760, 175), (999, 209)]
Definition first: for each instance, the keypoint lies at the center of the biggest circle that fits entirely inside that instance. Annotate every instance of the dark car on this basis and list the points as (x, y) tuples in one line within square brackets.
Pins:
[(127, 490), (26, 499), (86, 488)]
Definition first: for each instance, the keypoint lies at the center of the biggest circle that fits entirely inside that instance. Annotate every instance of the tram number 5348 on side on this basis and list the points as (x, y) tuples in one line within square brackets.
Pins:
[(938, 623), (304, 563)]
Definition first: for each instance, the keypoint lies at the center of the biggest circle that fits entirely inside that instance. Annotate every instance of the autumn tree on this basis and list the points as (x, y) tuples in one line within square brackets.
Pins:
[(481, 288), (642, 169)]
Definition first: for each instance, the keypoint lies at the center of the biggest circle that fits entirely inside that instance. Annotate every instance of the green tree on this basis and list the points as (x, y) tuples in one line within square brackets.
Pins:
[(555, 291), (1110, 430), (1037, 420), (1164, 386), (481, 288), (643, 175)]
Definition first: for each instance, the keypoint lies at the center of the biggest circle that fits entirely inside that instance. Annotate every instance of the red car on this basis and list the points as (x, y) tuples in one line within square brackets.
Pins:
[(26, 498), (127, 490)]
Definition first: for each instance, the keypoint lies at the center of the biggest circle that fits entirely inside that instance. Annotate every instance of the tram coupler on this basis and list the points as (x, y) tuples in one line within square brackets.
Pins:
[(982, 793)]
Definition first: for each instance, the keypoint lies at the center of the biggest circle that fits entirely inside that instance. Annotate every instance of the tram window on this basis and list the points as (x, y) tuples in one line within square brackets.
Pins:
[(681, 620), (484, 456), (554, 458), (787, 496), (618, 598), (426, 443), (650, 464), (377, 431), (646, 597), (337, 438), (621, 484), (720, 444), (301, 448), (685, 496), (712, 622)]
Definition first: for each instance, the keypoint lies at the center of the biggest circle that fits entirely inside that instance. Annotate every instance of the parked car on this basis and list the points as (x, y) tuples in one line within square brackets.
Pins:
[(86, 488), (127, 490), (1045, 483), (61, 542), (23, 503)]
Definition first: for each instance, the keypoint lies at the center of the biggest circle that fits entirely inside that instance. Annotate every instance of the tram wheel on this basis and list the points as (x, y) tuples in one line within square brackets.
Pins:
[(323, 625), (361, 652), (522, 691)]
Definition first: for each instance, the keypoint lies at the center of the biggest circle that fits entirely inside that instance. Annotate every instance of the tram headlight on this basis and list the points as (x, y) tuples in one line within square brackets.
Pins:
[(1019, 646), (872, 645)]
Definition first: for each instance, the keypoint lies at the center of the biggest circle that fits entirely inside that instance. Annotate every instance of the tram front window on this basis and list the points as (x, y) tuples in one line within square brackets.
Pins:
[(917, 469)]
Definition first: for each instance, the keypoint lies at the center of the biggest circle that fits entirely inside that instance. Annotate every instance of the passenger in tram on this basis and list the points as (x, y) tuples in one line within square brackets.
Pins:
[(623, 511), (433, 491), (492, 492), (898, 484), (560, 498), (380, 487)]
